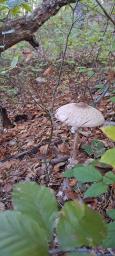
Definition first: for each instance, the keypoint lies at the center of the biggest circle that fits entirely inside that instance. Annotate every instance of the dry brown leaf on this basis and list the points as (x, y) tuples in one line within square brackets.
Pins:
[(43, 149), (5, 166), (72, 182), (57, 166), (48, 71), (63, 148), (70, 194)]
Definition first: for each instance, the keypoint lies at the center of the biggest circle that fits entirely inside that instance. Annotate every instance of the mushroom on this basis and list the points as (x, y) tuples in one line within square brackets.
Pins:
[(78, 115)]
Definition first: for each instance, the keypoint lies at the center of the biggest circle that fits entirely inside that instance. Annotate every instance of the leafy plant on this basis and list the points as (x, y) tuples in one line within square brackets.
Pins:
[(28, 229), (75, 226), (96, 148), (112, 99), (109, 131), (110, 241), (89, 174)]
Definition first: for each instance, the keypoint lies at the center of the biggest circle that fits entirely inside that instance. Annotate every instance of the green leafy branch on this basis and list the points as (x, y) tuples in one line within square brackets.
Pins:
[(89, 174), (29, 228)]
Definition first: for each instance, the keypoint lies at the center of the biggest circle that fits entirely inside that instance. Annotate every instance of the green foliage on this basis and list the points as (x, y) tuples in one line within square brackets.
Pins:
[(21, 235), (14, 61), (88, 174), (109, 157), (13, 7), (96, 148), (109, 178), (84, 174), (9, 91), (109, 131), (96, 189), (112, 99), (27, 230), (77, 220), (109, 242), (87, 40), (40, 205), (111, 214)]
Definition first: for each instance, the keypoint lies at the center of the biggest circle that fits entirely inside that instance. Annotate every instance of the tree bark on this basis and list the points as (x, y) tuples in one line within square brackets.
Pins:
[(15, 31)]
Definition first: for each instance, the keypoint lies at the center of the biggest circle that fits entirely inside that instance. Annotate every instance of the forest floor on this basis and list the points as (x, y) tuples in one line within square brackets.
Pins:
[(23, 148)]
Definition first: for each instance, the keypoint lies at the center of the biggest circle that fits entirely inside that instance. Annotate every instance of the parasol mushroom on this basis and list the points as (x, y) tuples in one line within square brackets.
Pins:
[(78, 115)]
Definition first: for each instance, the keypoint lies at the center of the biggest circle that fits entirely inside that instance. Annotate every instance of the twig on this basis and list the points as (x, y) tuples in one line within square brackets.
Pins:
[(55, 91), (31, 151), (63, 57), (20, 156), (105, 12), (58, 160), (102, 38), (99, 98)]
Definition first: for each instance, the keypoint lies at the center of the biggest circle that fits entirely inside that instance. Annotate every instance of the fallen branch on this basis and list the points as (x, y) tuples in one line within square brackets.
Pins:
[(32, 151), (58, 160)]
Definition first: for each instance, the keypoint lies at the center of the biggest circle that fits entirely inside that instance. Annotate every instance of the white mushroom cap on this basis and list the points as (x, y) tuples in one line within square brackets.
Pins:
[(79, 115)]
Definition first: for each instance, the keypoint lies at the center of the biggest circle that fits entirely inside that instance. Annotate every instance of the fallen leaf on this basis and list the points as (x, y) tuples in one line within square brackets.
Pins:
[(57, 166), (48, 71), (43, 149), (63, 148)]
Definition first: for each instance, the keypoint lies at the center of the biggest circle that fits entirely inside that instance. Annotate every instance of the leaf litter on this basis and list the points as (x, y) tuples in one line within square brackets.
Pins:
[(25, 148)]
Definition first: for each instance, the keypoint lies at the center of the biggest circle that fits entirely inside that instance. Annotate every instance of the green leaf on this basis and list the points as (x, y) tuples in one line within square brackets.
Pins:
[(90, 73), (84, 174), (27, 7), (14, 61), (109, 178), (96, 189), (21, 236), (109, 131), (96, 148), (15, 10), (99, 86), (38, 202), (79, 225), (2, 1), (87, 149), (109, 157), (112, 99), (109, 242), (111, 214)]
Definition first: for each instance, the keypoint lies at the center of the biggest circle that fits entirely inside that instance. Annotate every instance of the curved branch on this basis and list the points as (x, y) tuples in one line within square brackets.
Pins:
[(14, 31)]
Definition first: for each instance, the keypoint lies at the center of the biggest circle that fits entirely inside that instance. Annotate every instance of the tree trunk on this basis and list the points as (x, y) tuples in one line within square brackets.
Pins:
[(14, 31)]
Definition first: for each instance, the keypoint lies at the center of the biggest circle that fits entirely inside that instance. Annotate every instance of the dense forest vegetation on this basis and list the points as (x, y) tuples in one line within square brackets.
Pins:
[(57, 127)]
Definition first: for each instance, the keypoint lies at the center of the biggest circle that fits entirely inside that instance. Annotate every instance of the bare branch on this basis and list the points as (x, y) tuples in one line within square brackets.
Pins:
[(105, 12)]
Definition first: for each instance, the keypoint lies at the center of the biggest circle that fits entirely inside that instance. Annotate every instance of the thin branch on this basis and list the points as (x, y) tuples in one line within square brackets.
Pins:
[(63, 57), (105, 12), (99, 98)]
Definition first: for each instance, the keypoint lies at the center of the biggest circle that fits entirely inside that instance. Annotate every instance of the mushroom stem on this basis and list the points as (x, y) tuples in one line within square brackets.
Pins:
[(75, 146)]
